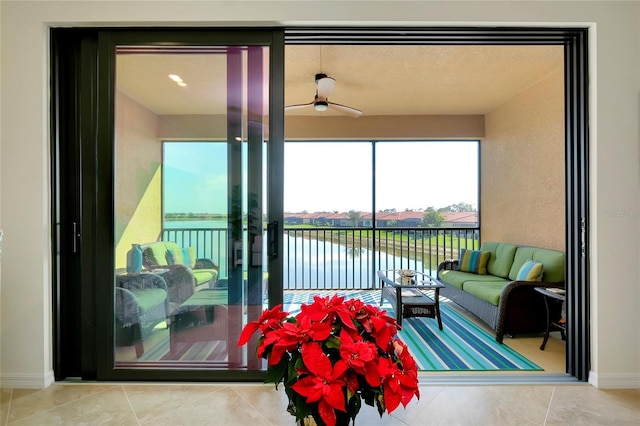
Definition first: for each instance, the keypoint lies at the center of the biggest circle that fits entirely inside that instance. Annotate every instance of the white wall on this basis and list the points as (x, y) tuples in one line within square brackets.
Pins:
[(615, 150)]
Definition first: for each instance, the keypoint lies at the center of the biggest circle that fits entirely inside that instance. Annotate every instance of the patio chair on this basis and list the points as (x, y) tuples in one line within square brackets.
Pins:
[(183, 273), (141, 304)]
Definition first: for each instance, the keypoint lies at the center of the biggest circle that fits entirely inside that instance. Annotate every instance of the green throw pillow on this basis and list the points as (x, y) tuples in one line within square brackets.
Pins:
[(530, 271), (473, 261)]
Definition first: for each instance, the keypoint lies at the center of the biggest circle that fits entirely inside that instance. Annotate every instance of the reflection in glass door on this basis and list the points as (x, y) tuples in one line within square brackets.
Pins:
[(191, 268)]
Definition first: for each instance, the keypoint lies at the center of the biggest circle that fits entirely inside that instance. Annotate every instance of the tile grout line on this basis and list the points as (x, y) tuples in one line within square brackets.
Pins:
[(6, 421), (124, 391), (546, 415), (250, 404), (57, 406)]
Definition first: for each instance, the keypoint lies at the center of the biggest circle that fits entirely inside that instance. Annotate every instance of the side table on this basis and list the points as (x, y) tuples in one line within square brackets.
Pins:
[(554, 299)]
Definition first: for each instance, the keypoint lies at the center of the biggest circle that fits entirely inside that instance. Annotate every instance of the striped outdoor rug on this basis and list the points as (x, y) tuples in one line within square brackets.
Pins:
[(460, 346), (198, 351)]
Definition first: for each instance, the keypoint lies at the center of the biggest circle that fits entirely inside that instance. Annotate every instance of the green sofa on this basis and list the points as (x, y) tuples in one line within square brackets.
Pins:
[(183, 273), (506, 304)]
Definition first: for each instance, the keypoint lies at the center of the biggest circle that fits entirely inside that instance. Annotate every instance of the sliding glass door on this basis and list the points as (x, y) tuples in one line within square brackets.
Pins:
[(173, 238), (191, 267)]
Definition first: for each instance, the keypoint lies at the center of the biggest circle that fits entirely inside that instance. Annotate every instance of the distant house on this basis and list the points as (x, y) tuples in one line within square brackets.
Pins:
[(460, 219), (383, 220), (292, 219)]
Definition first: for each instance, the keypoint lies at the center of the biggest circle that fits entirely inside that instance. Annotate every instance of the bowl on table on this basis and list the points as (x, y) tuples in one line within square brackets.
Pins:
[(406, 276)]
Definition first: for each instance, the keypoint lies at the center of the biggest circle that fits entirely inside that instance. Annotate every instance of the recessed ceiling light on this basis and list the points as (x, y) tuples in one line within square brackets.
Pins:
[(178, 80)]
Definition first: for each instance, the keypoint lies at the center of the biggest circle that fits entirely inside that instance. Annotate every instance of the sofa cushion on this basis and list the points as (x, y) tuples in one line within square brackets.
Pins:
[(457, 278), (489, 291), (501, 258), (204, 275), (530, 271), (165, 253), (473, 261), (157, 253), (552, 261), (149, 298)]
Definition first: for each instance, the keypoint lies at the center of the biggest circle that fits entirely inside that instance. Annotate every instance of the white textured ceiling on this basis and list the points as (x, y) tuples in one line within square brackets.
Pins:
[(379, 80)]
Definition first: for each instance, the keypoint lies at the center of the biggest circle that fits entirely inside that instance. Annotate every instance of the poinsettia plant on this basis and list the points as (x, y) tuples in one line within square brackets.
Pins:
[(334, 355)]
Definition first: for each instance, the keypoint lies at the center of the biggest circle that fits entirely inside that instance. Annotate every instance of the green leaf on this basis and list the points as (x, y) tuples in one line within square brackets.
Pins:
[(333, 342), (369, 397), (302, 408), (380, 405), (355, 404), (275, 373)]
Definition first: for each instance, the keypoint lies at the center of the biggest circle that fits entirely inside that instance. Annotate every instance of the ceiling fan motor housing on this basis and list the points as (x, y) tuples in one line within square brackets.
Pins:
[(321, 105), (320, 77)]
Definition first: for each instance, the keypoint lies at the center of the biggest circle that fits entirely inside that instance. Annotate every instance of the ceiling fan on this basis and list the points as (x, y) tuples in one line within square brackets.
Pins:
[(321, 101)]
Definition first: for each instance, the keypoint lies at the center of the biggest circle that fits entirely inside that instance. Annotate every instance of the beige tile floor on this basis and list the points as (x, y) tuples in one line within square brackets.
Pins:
[(447, 399), (258, 404)]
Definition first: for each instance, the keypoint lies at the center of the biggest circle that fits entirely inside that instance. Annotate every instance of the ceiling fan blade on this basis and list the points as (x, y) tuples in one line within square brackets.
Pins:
[(325, 86), (297, 106), (345, 109)]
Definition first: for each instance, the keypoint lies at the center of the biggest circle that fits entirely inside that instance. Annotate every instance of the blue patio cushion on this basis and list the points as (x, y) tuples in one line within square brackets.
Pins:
[(458, 279), (501, 258), (553, 263), (488, 291)]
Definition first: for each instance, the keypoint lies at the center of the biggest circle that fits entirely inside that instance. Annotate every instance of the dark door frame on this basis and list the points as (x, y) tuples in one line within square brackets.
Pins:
[(83, 232)]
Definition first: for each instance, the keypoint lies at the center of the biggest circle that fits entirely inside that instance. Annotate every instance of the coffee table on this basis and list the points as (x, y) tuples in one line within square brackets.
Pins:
[(406, 294)]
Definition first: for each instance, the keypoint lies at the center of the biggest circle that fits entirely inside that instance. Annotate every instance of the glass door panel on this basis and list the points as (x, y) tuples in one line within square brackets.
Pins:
[(189, 204)]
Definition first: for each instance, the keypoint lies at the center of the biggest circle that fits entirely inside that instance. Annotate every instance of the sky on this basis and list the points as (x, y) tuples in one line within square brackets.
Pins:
[(332, 176)]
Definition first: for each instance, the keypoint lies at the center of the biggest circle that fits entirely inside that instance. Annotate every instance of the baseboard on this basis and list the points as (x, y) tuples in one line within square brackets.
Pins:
[(27, 381), (615, 381)]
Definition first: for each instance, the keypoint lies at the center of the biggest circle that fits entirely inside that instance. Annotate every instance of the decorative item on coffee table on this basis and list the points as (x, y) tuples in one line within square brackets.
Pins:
[(334, 355), (407, 297), (406, 276)]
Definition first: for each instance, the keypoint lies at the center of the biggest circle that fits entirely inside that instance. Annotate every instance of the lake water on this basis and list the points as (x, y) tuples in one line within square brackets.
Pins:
[(307, 263)]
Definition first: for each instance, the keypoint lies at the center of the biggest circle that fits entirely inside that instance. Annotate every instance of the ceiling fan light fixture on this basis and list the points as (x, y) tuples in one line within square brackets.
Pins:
[(321, 106)]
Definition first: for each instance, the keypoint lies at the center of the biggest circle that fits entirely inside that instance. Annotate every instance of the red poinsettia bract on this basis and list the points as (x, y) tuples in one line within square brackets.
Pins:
[(291, 335), (399, 385), (333, 355), (322, 382), (327, 309)]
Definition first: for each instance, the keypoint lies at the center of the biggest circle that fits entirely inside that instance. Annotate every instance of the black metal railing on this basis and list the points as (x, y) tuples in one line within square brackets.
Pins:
[(348, 258), (341, 258)]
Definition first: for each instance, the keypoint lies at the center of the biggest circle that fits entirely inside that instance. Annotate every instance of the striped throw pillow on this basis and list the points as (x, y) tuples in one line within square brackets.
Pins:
[(473, 261), (182, 256), (530, 271)]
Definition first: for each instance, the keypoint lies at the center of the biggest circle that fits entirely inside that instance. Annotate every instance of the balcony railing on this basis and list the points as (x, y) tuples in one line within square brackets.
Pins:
[(342, 258)]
